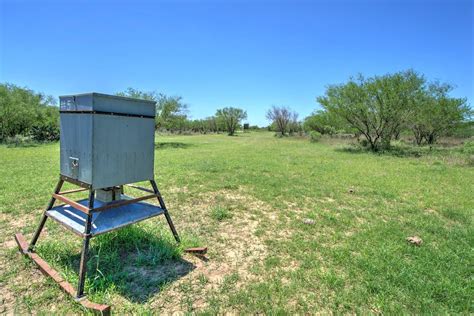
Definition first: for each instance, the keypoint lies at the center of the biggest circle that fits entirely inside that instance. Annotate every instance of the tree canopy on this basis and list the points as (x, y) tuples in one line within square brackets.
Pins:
[(380, 107), (26, 112), (283, 118), (171, 111), (231, 117)]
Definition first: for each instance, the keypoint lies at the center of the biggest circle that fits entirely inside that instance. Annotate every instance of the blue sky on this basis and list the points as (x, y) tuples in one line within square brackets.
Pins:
[(248, 54)]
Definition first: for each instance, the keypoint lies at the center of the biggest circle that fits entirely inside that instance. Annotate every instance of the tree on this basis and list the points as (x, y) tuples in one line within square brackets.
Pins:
[(325, 123), (281, 117), (436, 113), (171, 112), (377, 107), (22, 108), (231, 118), (137, 94), (294, 126)]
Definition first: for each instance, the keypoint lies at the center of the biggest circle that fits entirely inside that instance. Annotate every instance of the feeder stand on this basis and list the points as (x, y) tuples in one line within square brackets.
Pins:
[(106, 142)]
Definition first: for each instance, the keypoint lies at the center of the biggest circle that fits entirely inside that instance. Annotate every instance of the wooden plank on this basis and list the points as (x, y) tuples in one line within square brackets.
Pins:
[(74, 204), (22, 244), (46, 269), (197, 250), (123, 202), (73, 191)]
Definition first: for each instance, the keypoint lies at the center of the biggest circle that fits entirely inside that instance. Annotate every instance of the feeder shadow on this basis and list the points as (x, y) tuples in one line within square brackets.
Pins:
[(171, 145), (131, 261)]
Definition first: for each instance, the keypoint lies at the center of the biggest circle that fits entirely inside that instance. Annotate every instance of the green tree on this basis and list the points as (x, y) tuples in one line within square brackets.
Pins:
[(137, 94), (22, 108), (326, 123), (230, 117), (171, 112), (376, 107), (436, 113)]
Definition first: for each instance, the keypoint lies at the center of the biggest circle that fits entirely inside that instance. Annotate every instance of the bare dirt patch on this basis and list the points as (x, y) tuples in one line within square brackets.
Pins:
[(233, 250)]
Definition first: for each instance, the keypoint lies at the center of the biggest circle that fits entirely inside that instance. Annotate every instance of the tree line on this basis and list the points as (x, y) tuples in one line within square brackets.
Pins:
[(378, 109), (27, 113)]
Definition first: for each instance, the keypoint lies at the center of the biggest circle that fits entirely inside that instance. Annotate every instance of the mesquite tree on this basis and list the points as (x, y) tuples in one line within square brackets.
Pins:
[(436, 113), (376, 107), (231, 117), (282, 117)]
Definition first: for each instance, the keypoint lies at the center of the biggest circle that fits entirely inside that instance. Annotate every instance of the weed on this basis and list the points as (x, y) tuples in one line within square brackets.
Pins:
[(220, 213)]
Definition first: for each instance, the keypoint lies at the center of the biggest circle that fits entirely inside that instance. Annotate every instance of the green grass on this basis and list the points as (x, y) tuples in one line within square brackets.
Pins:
[(220, 213), (245, 198)]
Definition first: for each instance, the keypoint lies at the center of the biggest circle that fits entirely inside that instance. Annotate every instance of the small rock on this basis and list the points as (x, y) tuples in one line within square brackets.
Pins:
[(309, 221), (415, 240)]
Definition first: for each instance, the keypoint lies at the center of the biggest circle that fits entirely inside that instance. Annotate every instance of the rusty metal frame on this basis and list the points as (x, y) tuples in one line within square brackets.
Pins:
[(65, 286), (163, 206), (28, 250), (139, 188)]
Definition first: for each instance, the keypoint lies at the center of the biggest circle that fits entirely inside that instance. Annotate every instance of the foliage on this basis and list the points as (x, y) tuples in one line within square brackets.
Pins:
[(283, 118), (231, 118), (19, 141), (325, 123), (435, 113), (138, 94), (46, 128), (468, 147), (381, 106), (23, 111), (463, 129), (171, 112), (314, 136)]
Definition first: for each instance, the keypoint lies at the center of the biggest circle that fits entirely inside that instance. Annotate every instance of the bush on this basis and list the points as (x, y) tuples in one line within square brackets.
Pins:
[(364, 143), (45, 132), (21, 109), (19, 141), (314, 136), (468, 147)]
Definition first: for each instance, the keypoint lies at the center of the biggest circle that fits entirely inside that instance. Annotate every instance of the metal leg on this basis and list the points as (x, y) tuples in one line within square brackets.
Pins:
[(163, 206), (85, 248), (44, 218)]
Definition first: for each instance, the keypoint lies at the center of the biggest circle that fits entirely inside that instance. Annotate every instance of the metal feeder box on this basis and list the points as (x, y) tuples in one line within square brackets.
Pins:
[(106, 142)]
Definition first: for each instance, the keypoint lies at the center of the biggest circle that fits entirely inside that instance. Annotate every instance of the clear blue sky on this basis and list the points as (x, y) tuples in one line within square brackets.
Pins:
[(248, 54)]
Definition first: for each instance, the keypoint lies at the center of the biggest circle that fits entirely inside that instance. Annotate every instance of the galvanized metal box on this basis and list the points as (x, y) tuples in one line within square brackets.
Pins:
[(106, 140)]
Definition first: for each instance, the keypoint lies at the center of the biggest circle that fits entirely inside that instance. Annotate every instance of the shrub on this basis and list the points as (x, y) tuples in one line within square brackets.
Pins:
[(364, 143), (19, 141), (314, 136), (468, 147), (45, 132)]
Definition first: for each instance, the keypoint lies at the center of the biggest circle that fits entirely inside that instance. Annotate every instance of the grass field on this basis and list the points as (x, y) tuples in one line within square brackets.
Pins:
[(245, 198)]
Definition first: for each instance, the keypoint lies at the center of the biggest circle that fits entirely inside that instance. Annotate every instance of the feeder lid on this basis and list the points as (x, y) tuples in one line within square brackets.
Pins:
[(105, 103)]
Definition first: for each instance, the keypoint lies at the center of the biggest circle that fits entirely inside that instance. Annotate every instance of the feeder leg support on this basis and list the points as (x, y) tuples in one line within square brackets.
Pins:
[(85, 248), (45, 217), (165, 210)]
